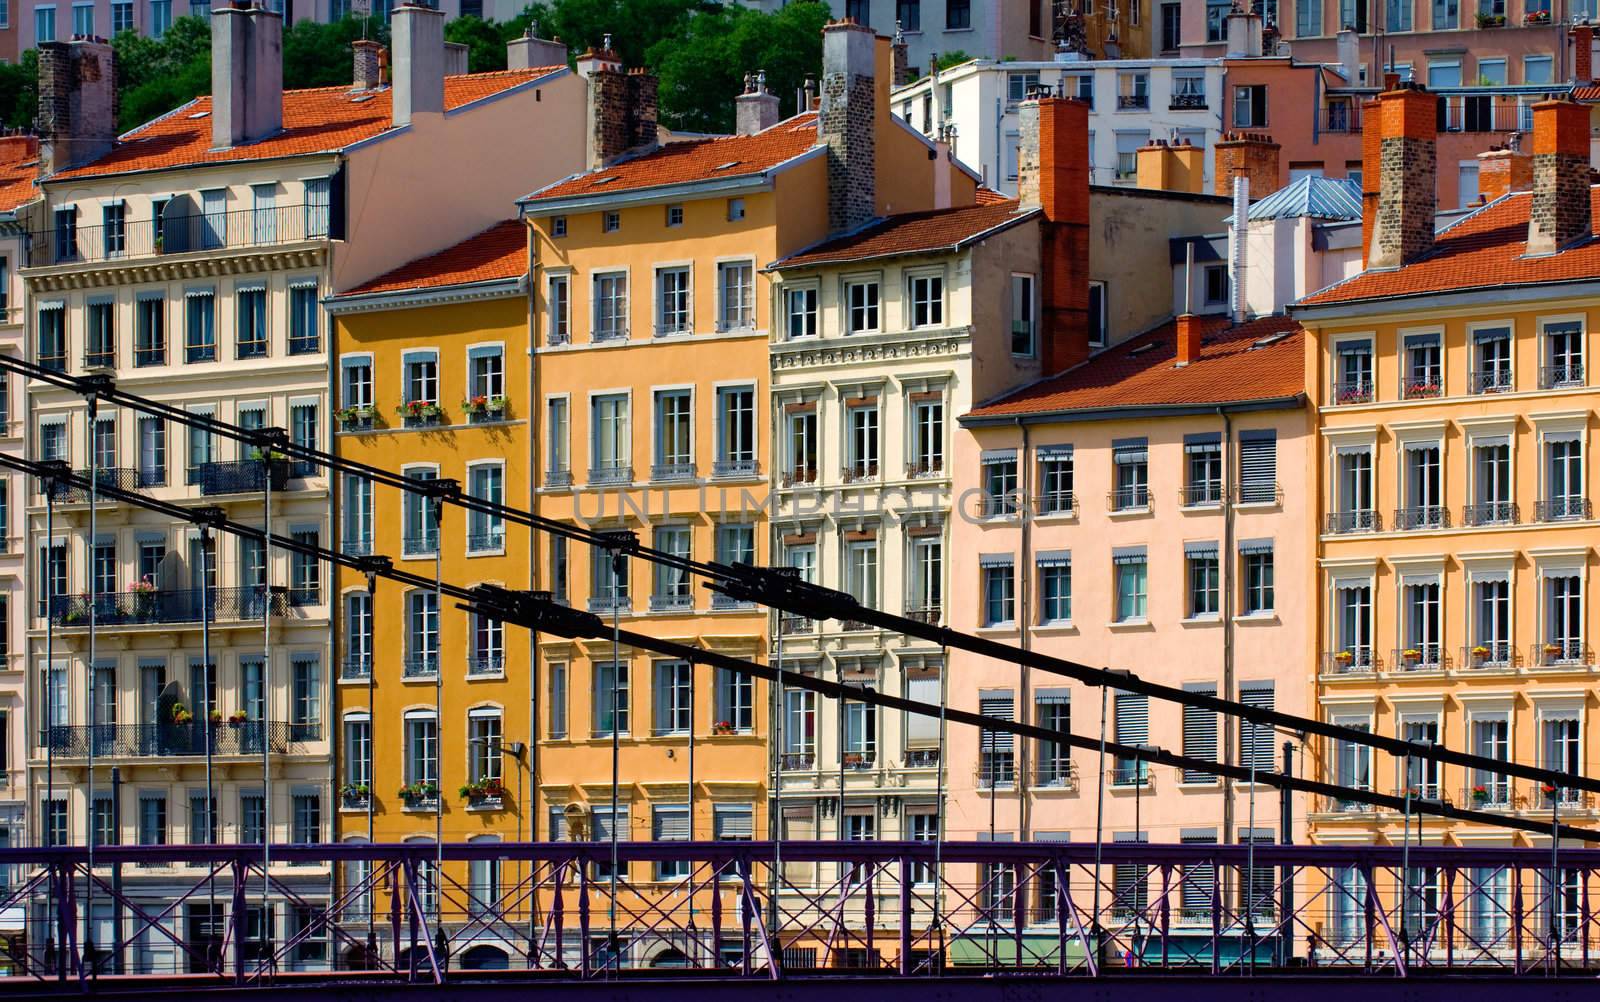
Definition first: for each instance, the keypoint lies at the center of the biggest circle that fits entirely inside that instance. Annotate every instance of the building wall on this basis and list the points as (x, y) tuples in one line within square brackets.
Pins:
[(13, 563), (1130, 229), (1527, 552)]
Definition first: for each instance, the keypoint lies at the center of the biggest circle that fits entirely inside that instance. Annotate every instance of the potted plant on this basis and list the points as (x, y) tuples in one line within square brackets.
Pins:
[(414, 794), (356, 417), (1480, 651), (497, 405), (723, 727), (482, 792), (854, 759), (420, 411), (1486, 20), (1536, 17), (355, 793), (1552, 649), (215, 717), (181, 715), (475, 405), (1480, 795), (1411, 654), (1345, 657), (237, 717)]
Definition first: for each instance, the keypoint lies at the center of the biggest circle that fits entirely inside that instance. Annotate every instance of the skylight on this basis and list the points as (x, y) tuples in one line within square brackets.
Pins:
[(1141, 349), (604, 180), (1270, 339), (730, 163)]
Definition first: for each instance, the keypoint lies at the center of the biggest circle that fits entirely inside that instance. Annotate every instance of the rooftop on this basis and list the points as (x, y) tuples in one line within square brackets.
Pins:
[(315, 120), (1316, 197), (1260, 360), (926, 232), (692, 160), (1483, 249), (19, 169), (496, 254)]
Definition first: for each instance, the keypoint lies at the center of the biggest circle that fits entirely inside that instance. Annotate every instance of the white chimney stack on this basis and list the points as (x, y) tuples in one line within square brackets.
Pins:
[(417, 34), (246, 74)]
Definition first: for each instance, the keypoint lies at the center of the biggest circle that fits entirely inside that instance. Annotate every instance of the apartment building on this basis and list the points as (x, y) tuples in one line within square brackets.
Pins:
[(1456, 409), (189, 259), (1131, 102), (19, 165), (433, 705), (653, 319)]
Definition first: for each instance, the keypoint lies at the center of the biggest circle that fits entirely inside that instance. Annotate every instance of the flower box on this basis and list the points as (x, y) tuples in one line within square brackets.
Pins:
[(1480, 795), (723, 727), (1344, 657), (485, 793), (355, 418), (419, 795), (181, 715), (420, 412), (238, 717)]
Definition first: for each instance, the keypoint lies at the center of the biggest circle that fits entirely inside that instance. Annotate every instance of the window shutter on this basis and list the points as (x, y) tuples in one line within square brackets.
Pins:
[(602, 824), (1199, 735), (922, 730), (733, 822), (1258, 468), (670, 824), (558, 825), (1133, 718), (1255, 741), (1000, 706)]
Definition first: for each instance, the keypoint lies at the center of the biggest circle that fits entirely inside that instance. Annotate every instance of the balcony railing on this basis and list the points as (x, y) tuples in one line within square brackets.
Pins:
[(1487, 654), (1351, 660), (1133, 102), (603, 334), (1131, 774), (671, 603), (1495, 380), (356, 546), (558, 478), (1056, 503), (178, 234), (791, 625), (145, 355), (998, 506), (1563, 509), (1358, 520), (1419, 657), (1488, 795), (486, 665), (611, 474), (420, 666), (356, 666), (989, 775), (735, 468), (247, 476), (924, 468), (116, 477), (1356, 391), (720, 602), (1421, 388), (102, 357), (857, 472), (1491, 513), (1203, 494), (1428, 516), (664, 472), (1564, 797), (141, 608), (1258, 493), (1056, 774), (797, 475), (925, 614), (858, 761), (797, 761), (1561, 653), (1129, 498), (922, 758), (487, 541), (425, 545), (606, 604), (249, 737), (1187, 102), (1555, 377)]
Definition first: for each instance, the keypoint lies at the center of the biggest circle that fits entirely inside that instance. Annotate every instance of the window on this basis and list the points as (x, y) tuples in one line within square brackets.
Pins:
[(1205, 593), (484, 749), (250, 309), (1255, 556), (1000, 484), (1202, 455), (996, 765), (1250, 106), (114, 228), (909, 14), (53, 337), (610, 222), (861, 418), (358, 635), (1563, 619), (1446, 14), (735, 702), (1133, 91), (999, 590), (486, 657), (317, 212), (800, 307), (306, 821), (861, 306), (672, 588), (1561, 749), (1424, 367), (1563, 349), (1055, 587), (152, 452), (1055, 480), (1420, 610), (1491, 371), (1131, 468), (559, 468), (1023, 342), (160, 17), (609, 699), (927, 300), (44, 24), (675, 215), (927, 434), (670, 823), (1216, 284), (149, 330), (486, 532), (736, 431), (558, 300), (1307, 18), (305, 698), (557, 699), (420, 370), (558, 226), (1217, 21), (735, 209), (1353, 511), (1353, 627), (1131, 722), (422, 752), (861, 571), (558, 568), (1563, 475), (611, 306), (611, 448), (1199, 734), (802, 444), (736, 544), (1098, 325), (1257, 741), (1131, 574), (200, 326), (672, 301), (152, 819), (1491, 621), (736, 296), (422, 634), (1128, 146), (421, 533), (957, 14), (304, 334), (303, 432), (1491, 738), (1258, 466), (674, 708)]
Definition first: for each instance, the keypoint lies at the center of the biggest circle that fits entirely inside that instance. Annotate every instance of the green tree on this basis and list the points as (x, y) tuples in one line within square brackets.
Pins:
[(702, 69), (318, 55), (485, 42), (19, 90)]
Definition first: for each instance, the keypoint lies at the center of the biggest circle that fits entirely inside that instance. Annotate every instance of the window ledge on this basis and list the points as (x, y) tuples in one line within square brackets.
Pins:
[(1205, 507), (1257, 506), (1129, 513), (1056, 518), (498, 551), (1066, 627), (1258, 619), (1212, 620), (1203, 785), (1130, 626), (997, 629)]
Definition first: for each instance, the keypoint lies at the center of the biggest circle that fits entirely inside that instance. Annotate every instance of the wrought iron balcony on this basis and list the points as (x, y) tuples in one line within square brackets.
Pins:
[(1555, 377), (1358, 520), (1429, 516), (420, 666), (145, 355), (1056, 774), (356, 666), (249, 737), (558, 478), (425, 545), (1258, 493), (116, 477), (922, 758), (1005, 505), (255, 347), (1202, 494), (1487, 654), (102, 357), (1000, 772), (857, 472), (925, 468), (1492, 380), (1133, 102), (603, 334), (178, 233), (486, 665), (720, 602), (1488, 794), (54, 360), (1421, 388), (201, 351), (671, 603), (734, 468), (155, 607), (359, 546), (925, 614), (247, 476), (791, 625), (1563, 509), (666, 472), (1561, 653), (797, 761), (1419, 657), (1056, 503), (797, 475), (1353, 660), (858, 761), (1491, 513), (1187, 102), (302, 596), (1563, 797), (1129, 498), (1353, 391), (304, 344), (487, 541), (611, 474), (607, 604)]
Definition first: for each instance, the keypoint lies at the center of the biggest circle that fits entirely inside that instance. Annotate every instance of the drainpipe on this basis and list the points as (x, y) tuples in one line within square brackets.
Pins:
[(1227, 583), (1024, 619), (1236, 254), (530, 806)]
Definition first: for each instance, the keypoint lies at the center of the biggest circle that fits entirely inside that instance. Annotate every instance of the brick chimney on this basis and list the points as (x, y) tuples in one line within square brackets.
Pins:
[(368, 64), (1560, 214), (418, 36), (1251, 152), (246, 74), (1171, 167), (77, 102), (1407, 171), (1582, 54), (902, 58), (756, 109), (1053, 175), (847, 122), (18, 148), (1371, 167), (1502, 170), (529, 51), (1188, 340), (622, 107)]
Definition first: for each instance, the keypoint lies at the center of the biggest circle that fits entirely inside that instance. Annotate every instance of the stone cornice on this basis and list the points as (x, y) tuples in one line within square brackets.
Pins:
[(177, 267)]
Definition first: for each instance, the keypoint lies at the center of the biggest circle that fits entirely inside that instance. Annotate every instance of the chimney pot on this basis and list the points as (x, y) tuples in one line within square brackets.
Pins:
[(847, 123), (246, 74), (1560, 214), (1188, 339), (1501, 171), (77, 103), (1053, 175), (368, 64), (418, 36), (1254, 154), (1402, 229), (755, 110), (1582, 54), (529, 51)]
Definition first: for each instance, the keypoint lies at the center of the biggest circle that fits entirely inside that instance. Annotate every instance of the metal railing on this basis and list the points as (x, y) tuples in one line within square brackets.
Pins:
[(1000, 772), (155, 607), (1561, 653), (1133, 102), (1419, 657), (1488, 794), (118, 477), (924, 468), (791, 625), (154, 353), (1207, 492), (1186, 102), (797, 761), (420, 666), (558, 478), (922, 758), (248, 737), (1129, 498), (1493, 380), (1428, 516), (247, 476), (1555, 377), (1421, 388), (999, 505), (1056, 503), (482, 665), (724, 603), (1258, 493), (925, 614), (735, 468), (178, 234), (359, 546), (491, 541), (1056, 774), (604, 334), (796, 475), (1491, 513), (1563, 509), (1358, 520), (612, 474), (1355, 659), (419, 546), (857, 472), (1358, 391), (607, 604), (664, 472), (356, 666), (858, 761), (1488, 654), (671, 603)]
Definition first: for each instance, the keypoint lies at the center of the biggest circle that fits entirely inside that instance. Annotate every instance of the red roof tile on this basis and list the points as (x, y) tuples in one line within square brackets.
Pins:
[(1481, 250), (910, 233), (693, 160), (316, 120), (988, 196), (1232, 368), (19, 169), (499, 252)]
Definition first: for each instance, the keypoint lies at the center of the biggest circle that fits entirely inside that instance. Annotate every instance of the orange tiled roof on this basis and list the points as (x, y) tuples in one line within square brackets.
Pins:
[(693, 160), (1232, 368), (316, 120), (988, 196), (909, 233), (1481, 250), (19, 169), (499, 252)]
